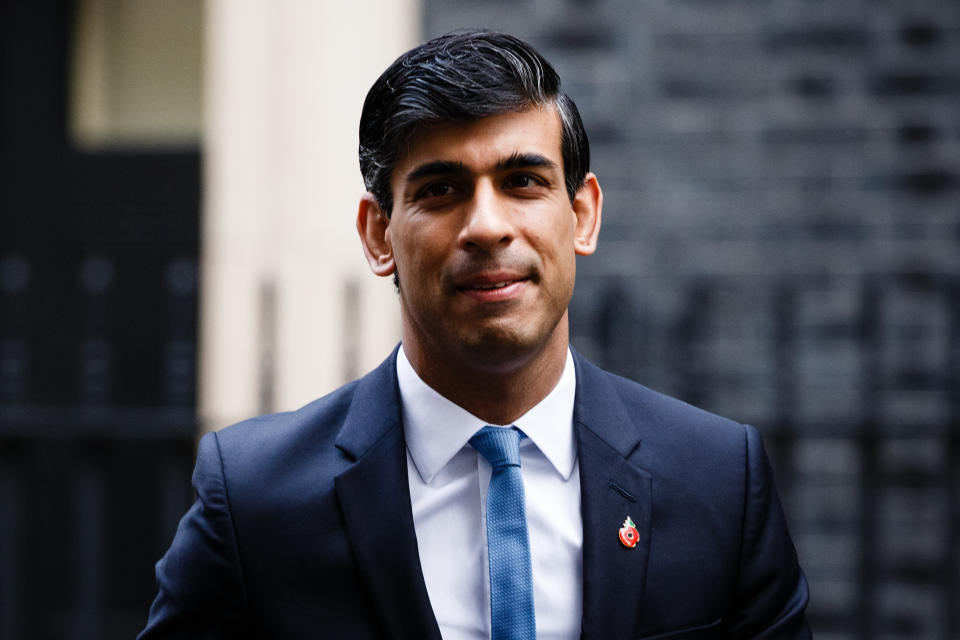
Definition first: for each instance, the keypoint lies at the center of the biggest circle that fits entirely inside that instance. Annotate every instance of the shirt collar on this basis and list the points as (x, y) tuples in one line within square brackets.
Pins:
[(436, 429)]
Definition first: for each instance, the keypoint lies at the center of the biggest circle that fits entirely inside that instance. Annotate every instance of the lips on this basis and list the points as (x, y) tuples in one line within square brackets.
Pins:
[(492, 286)]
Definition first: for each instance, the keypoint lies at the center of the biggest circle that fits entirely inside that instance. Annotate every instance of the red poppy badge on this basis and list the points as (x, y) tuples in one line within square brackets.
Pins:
[(629, 534)]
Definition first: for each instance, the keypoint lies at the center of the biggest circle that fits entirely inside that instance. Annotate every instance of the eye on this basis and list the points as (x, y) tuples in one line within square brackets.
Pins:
[(436, 190), (522, 181)]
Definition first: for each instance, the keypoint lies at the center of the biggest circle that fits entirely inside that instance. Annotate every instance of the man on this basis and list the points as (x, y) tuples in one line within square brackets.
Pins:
[(395, 507)]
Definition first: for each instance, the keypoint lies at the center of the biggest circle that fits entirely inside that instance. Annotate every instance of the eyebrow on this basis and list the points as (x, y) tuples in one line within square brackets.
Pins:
[(520, 160), (435, 168), (450, 167)]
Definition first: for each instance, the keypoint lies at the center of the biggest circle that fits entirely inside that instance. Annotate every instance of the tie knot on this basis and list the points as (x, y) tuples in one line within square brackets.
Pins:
[(501, 447)]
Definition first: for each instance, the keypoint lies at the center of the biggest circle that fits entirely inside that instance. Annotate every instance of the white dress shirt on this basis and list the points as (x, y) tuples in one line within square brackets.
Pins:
[(448, 489)]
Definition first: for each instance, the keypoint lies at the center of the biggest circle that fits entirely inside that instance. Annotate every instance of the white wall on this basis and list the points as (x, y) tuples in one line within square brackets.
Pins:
[(289, 309)]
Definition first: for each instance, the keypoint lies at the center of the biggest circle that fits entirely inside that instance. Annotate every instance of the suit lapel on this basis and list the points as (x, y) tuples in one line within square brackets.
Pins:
[(375, 498), (612, 489)]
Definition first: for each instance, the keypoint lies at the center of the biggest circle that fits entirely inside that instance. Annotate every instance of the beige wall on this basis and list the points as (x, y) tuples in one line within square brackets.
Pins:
[(289, 309)]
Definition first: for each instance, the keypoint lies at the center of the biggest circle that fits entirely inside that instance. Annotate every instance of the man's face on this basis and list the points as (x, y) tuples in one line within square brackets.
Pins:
[(484, 236)]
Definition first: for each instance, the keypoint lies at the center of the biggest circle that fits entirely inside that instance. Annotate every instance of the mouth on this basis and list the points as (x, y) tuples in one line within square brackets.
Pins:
[(493, 287)]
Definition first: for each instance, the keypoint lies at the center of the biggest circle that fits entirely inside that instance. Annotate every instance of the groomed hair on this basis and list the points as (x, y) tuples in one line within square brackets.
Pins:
[(459, 77)]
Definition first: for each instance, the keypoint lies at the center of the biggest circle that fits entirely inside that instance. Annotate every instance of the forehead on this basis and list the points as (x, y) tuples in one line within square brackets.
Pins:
[(482, 143)]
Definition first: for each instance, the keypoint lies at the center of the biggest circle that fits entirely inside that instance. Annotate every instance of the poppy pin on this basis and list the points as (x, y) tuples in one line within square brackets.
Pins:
[(629, 534)]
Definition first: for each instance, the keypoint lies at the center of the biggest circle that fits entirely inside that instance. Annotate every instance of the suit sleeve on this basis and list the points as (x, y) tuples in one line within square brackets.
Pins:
[(200, 590), (772, 591)]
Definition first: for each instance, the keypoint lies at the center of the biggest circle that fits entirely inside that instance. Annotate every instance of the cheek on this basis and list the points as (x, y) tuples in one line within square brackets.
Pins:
[(418, 256), (569, 269), (555, 245), (564, 261)]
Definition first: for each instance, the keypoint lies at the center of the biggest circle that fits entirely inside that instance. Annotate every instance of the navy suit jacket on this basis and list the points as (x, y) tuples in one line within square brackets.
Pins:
[(302, 526)]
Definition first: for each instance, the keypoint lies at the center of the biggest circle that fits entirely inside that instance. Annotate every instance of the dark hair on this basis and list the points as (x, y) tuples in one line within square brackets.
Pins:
[(458, 77)]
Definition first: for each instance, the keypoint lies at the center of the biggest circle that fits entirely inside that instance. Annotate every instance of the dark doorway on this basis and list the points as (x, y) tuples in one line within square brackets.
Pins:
[(98, 314)]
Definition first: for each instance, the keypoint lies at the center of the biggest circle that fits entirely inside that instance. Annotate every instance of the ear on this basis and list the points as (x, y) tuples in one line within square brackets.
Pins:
[(372, 226), (587, 207)]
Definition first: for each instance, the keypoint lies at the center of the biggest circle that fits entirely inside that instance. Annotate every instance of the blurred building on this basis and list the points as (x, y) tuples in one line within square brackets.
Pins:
[(781, 244), (114, 113)]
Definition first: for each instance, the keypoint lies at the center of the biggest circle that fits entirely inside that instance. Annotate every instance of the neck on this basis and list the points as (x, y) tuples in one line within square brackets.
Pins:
[(498, 391)]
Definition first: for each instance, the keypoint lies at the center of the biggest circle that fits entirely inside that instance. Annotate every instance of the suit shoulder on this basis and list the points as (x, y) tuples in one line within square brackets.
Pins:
[(631, 413), (262, 436), (668, 410)]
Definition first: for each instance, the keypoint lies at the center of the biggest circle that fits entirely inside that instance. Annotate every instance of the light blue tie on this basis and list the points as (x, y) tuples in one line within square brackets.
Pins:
[(508, 546)]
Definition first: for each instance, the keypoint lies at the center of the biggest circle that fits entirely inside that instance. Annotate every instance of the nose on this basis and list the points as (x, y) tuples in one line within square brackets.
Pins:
[(487, 222)]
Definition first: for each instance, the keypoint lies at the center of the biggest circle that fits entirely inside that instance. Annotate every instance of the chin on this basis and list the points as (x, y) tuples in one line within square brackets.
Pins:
[(502, 348)]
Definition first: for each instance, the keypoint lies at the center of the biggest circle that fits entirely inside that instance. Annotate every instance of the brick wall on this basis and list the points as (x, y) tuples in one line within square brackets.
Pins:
[(781, 244)]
